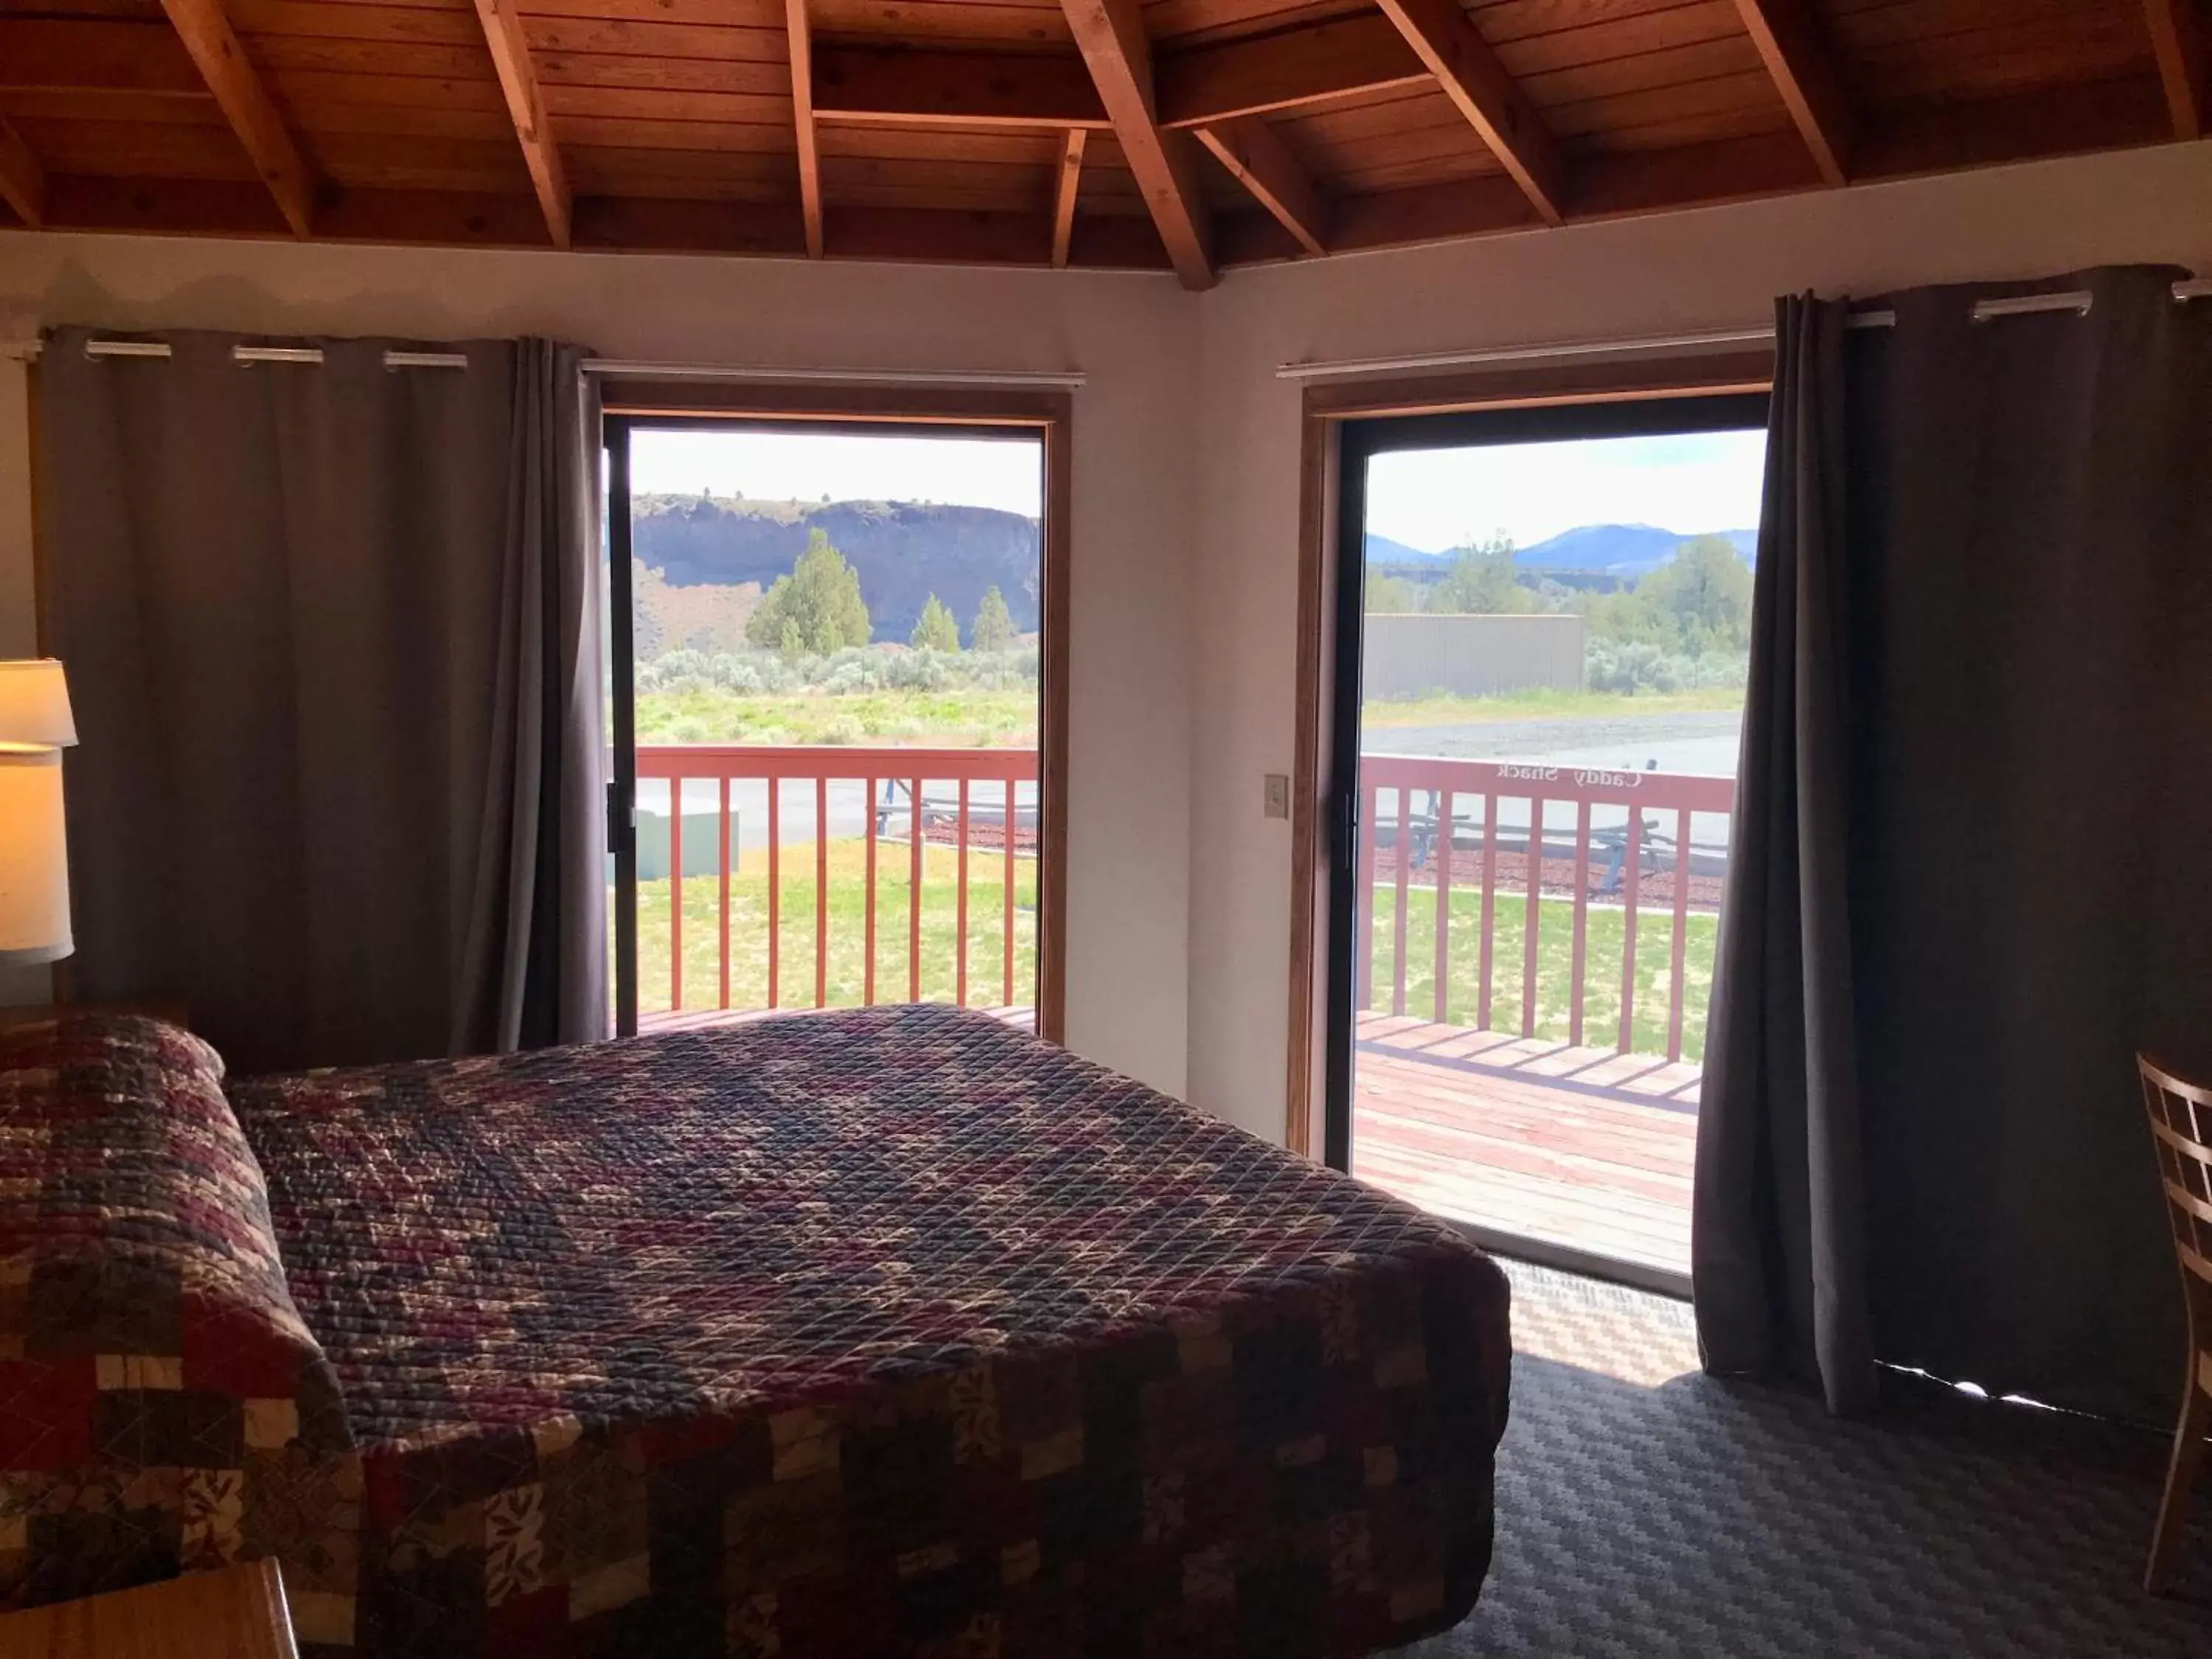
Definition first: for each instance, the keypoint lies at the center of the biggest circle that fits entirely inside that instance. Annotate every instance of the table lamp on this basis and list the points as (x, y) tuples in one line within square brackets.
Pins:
[(35, 727)]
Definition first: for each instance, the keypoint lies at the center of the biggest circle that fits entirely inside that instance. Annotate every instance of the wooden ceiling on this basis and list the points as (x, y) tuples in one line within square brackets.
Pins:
[(1193, 134)]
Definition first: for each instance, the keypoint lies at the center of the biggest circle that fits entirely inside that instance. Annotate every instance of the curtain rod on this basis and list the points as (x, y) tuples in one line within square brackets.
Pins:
[(2074, 299), (629, 368)]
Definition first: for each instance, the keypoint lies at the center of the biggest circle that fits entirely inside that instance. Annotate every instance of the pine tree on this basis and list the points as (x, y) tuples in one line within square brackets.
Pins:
[(994, 626), (1481, 582), (935, 630), (814, 610)]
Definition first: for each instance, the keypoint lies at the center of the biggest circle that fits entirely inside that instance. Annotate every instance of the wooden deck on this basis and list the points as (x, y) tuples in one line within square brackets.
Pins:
[(1580, 1148)]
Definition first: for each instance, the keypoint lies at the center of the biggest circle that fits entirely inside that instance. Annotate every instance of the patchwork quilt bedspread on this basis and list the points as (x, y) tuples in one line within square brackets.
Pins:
[(888, 1332)]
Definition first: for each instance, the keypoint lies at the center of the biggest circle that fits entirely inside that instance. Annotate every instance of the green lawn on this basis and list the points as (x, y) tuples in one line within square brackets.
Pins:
[(1655, 943), (848, 929), (968, 718), (985, 959)]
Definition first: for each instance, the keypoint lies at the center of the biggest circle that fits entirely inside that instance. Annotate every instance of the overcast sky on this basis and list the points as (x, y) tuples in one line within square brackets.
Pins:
[(1429, 499), (1433, 499), (1005, 473)]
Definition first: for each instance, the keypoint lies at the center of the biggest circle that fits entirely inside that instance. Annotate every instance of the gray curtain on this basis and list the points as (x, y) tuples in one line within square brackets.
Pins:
[(1970, 876), (1777, 1246), (331, 632)]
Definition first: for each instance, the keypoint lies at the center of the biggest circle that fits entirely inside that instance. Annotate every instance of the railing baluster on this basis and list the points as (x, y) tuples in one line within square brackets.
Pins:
[(1365, 897), (1682, 931), (774, 886), (674, 894), (1446, 783), (1582, 922), (868, 909), (960, 908), (1007, 851), (1400, 906), (1630, 885), (722, 802), (821, 891), (1002, 778), (1444, 852), (1532, 916), (1489, 904), (914, 898)]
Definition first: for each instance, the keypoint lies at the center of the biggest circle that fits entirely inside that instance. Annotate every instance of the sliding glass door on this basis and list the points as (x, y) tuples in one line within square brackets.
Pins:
[(1543, 626), (827, 676)]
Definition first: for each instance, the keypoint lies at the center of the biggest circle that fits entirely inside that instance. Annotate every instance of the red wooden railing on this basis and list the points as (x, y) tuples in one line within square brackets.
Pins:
[(911, 770), (1425, 837)]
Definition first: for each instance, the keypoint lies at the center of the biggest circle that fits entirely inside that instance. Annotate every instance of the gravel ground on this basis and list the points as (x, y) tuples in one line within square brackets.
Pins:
[(1680, 742)]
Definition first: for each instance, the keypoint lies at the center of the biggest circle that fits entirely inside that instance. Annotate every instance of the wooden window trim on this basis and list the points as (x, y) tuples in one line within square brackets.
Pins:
[(1050, 414), (1326, 408)]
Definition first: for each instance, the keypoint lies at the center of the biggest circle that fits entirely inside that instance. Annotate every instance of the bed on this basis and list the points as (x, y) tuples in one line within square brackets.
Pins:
[(890, 1331)]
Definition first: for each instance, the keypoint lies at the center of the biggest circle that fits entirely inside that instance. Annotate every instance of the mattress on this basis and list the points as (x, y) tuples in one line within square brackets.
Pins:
[(884, 1333)]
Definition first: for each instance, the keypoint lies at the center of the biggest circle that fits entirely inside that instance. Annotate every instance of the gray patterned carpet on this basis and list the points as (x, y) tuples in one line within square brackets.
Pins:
[(1645, 1510)]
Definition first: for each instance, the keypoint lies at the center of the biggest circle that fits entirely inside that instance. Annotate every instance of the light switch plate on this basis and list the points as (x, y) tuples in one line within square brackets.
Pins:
[(1277, 795)]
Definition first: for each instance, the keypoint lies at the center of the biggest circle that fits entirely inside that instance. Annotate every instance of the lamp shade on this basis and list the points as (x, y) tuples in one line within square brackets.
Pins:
[(34, 706), (34, 907)]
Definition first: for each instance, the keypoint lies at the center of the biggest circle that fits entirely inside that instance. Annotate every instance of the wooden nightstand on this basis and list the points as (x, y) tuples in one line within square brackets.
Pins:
[(237, 1613)]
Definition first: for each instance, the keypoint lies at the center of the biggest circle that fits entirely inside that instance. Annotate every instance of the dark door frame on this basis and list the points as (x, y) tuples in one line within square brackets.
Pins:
[(1046, 416)]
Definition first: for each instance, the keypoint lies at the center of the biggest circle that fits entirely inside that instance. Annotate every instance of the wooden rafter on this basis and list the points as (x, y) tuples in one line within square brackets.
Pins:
[(801, 37), (1492, 102), (1803, 70), (22, 180), (1064, 186), (963, 131), (510, 56), (1110, 35), (1295, 69), (1344, 57), (2179, 44), (245, 104), (1263, 164)]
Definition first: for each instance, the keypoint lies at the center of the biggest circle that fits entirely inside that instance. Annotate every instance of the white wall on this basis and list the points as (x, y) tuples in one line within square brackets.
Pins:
[(1187, 454), (1135, 336), (1711, 268)]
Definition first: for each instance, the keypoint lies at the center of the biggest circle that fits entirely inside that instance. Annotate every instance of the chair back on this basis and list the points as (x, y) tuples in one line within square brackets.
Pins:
[(2181, 1135)]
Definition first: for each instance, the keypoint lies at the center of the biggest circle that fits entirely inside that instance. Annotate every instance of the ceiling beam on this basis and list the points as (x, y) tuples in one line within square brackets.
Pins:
[(1492, 102), (1255, 154), (1344, 57), (888, 86), (1070, 180), (1110, 35), (801, 37), (510, 56), (628, 224), (1803, 68), (900, 87), (245, 104), (2179, 44), (22, 180)]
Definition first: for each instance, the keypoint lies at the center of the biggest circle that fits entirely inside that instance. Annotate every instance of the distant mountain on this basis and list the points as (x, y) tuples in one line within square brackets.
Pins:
[(903, 552), (1381, 549), (1620, 550)]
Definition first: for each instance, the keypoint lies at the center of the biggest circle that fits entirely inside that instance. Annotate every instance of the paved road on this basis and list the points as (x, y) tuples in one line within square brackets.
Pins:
[(848, 809), (1699, 743)]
